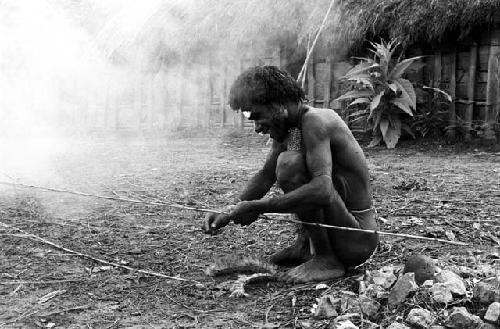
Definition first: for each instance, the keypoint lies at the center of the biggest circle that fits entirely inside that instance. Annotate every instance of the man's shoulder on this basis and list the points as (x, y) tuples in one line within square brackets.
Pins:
[(321, 117)]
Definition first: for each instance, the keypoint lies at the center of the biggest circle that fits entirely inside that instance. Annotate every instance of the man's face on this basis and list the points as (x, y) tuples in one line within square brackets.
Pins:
[(268, 120)]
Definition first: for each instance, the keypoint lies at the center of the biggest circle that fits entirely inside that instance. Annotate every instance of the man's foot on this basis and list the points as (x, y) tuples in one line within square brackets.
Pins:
[(298, 253), (319, 268)]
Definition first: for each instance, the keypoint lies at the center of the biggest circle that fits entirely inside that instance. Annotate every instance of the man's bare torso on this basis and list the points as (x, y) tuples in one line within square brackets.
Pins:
[(349, 166)]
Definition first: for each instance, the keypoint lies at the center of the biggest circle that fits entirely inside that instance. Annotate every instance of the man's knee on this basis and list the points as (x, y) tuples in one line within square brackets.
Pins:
[(291, 170)]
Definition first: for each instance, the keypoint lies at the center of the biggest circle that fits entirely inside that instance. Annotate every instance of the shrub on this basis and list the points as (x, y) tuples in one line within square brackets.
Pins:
[(380, 93)]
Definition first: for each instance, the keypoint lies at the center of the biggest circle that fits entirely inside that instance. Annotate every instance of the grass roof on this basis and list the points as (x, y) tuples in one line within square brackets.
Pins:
[(230, 27), (411, 21)]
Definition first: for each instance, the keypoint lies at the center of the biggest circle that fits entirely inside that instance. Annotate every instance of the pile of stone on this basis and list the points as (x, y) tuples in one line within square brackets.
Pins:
[(418, 295)]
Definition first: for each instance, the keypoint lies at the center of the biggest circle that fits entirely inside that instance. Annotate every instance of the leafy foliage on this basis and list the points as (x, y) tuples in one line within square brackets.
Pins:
[(381, 94), (431, 116)]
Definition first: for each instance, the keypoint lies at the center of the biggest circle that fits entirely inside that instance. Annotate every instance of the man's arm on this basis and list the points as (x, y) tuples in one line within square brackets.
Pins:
[(319, 191), (264, 179), (256, 188)]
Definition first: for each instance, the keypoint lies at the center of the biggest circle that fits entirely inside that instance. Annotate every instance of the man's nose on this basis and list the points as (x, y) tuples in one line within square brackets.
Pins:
[(257, 127)]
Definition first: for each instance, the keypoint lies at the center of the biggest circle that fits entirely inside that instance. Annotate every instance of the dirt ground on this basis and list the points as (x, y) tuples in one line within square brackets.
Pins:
[(427, 189)]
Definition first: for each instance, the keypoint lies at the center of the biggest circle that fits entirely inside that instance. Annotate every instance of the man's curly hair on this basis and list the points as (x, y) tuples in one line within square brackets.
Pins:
[(262, 85)]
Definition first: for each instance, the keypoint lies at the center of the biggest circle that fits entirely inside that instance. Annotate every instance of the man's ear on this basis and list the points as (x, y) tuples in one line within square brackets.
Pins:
[(284, 113)]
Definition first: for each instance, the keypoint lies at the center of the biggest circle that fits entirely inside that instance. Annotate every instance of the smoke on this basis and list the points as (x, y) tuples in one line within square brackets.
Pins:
[(42, 55), (70, 68)]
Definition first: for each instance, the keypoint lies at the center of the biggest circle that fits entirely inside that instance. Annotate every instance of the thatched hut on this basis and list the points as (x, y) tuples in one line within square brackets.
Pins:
[(460, 39), (186, 55)]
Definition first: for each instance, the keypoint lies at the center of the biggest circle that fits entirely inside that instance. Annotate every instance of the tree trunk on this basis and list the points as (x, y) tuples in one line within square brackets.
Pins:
[(492, 88)]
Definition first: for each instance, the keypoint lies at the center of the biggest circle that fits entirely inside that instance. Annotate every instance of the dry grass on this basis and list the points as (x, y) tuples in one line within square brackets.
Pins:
[(440, 187)]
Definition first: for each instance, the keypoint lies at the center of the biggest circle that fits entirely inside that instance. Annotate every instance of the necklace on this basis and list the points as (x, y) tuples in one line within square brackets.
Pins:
[(294, 142)]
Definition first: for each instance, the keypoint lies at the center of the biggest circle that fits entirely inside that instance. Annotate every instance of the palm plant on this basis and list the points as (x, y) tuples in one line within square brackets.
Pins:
[(381, 94)]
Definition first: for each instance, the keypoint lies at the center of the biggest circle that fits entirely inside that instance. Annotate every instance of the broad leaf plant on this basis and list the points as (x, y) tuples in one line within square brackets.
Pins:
[(381, 94)]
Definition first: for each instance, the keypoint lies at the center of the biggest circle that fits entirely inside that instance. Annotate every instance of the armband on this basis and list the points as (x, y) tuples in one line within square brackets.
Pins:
[(324, 174)]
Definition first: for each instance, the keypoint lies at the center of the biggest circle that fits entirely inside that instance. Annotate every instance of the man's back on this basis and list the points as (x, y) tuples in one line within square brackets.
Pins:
[(349, 166)]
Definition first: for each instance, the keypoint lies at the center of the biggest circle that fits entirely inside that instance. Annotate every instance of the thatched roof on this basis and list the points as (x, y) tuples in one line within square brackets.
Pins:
[(191, 29), (411, 21)]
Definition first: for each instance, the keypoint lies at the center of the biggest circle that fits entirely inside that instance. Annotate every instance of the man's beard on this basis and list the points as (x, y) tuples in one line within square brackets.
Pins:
[(281, 131)]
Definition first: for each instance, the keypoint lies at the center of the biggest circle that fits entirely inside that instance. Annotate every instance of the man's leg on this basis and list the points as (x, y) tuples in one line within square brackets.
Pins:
[(290, 173), (298, 253), (313, 246), (333, 249)]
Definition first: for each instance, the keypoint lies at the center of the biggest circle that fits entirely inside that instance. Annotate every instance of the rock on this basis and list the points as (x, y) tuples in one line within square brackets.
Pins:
[(383, 277), (465, 272), (454, 282), (361, 287), (420, 318), (488, 290), (397, 325), (375, 291), (327, 307), (485, 270), (370, 325), (428, 283), (493, 313), (488, 326), (321, 286), (368, 306), (493, 255), (349, 302), (347, 324), (460, 318), (402, 288), (423, 266), (441, 293)]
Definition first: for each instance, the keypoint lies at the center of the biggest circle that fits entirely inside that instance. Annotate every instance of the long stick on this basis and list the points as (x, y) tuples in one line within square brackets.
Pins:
[(310, 50), (152, 203), (40, 282), (40, 239), (352, 229), (339, 228), (302, 74), (217, 211)]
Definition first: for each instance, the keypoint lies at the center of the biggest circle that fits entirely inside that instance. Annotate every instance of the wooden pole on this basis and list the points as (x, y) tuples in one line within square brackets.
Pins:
[(470, 91), (436, 74), (437, 69), (137, 100), (151, 100), (452, 121), (328, 82), (196, 99), (204, 210), (241, 117), (181, 91), (117, 111), (492, 88), (310, 49), (107, 102), (311, 82), (210, 99), (223, 97), (102, 261)]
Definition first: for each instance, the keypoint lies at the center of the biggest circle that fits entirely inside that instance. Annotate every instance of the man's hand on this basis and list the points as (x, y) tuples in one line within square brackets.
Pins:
[(244, 213), (214, 221)]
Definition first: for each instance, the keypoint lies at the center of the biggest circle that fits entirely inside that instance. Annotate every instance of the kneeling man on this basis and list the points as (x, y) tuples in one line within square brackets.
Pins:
[(318, 164)]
